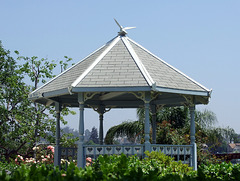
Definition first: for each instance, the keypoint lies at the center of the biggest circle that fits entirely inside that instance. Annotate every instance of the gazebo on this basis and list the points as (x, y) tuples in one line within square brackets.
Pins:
[(123, 74)]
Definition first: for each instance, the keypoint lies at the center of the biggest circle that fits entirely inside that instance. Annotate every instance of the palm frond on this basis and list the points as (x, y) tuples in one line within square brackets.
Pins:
[(128, 129)]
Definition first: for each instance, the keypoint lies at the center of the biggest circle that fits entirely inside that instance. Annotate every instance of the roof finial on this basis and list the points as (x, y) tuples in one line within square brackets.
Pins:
[(123, 31)]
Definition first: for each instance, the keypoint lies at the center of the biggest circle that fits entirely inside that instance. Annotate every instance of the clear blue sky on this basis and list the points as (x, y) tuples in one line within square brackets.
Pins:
[(200, 38)]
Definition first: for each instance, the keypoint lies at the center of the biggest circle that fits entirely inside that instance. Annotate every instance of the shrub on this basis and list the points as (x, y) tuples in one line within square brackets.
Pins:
[(156, 166), (166, 165), (223, 171)]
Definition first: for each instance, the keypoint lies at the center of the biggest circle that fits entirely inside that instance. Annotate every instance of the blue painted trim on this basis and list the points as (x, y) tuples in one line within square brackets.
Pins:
[(166, 145), (117, 89), (128, 145), (180, 91)]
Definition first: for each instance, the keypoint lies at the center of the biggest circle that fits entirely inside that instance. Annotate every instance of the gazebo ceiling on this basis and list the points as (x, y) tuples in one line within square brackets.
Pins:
[(116, 74), (122, 99)]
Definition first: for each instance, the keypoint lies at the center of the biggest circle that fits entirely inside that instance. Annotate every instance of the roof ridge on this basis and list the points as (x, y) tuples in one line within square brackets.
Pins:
[(200, 85), (97, 60), (139, 63)]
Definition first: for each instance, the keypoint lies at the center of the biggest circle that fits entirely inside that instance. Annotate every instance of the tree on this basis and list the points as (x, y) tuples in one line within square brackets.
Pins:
[(14, 108), (205, 119), (38, 70), (87, 135), (69, 137), (176, 116), (23, 123), (219, 139), (216, 141), (173, 126), (132, 130), (94, 136)]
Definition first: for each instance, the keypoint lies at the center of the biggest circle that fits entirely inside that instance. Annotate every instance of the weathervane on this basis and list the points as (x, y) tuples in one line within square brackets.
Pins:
[(123, 31)]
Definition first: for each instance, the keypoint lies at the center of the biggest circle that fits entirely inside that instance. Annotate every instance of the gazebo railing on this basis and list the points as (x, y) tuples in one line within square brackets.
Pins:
[(179, 152), (94, 151), (69, 154)]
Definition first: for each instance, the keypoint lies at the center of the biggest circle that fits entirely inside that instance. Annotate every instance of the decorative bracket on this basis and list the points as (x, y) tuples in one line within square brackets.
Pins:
[(101, 109), (139, 95), (159, 107), (154, 95), (190, 100), (89, 95), (70, 90)]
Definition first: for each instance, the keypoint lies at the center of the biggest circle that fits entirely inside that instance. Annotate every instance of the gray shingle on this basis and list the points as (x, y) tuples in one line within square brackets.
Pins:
[(67, 78), (162, 74), (120, 70)]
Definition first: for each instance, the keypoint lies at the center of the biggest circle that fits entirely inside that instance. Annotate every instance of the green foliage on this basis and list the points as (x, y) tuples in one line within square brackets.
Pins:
[(205, 119), (130, 129), (15, 113), (167, 164), (94, 136), (223, 171), (160, 157), (176, 116), (156, 166), (153, 167), (22, 123), (173, 127), (8, 167)]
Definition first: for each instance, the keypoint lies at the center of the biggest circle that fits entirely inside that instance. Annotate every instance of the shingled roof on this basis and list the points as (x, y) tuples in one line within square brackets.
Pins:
[(120, 65)]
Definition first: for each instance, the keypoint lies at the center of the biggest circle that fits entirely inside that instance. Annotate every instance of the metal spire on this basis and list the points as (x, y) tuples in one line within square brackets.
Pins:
[(123, 31)]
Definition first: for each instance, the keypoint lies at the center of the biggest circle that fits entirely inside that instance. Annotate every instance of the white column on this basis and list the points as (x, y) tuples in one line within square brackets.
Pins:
[(101, 112), (101, 129), (154, 127), (192, 137), (57, 149), (80, 154), (147, 123)]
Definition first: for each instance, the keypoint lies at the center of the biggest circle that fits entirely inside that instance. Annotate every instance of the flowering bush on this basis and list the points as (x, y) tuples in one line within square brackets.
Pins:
[(19, 160), (51, 148), (42, 155), (45, 155), (88, 161), (64, 161), (156, 166)]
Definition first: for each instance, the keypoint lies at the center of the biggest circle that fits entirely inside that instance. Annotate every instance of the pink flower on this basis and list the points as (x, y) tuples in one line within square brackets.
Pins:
[(19, 159), (89, 159), (16, 161), (19, 156), (50, 148)]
